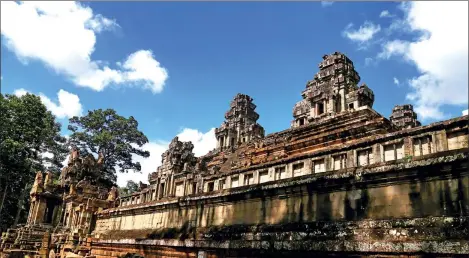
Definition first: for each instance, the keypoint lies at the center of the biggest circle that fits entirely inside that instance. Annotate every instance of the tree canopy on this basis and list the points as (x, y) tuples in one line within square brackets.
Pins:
[(116, 138), (30, 140), (130, 188)]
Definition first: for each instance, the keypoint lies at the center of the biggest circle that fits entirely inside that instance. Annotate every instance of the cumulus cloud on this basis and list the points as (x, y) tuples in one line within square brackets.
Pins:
[(440, 54), (141, 66), (69, 104), (20, 92), (326, 3), (396, 81), (62, 35), (363, 34), (394, 48), (385, 14), (203, 143), (149, 165)]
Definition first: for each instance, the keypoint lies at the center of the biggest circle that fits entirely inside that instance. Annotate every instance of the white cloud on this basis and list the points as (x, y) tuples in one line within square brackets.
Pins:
[(69, 103), (203, 143), (62, 35), (440, 55), (465, 112), (326, 3), (149, 164), (141, 66), (363, 34), (368, 61), (396, 81), (385, 14), (20, 92), (394, 48)]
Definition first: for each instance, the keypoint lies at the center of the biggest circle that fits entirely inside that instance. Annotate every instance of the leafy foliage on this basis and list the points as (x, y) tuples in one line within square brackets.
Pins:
[(27, 131), (130, 188), (113, 136)]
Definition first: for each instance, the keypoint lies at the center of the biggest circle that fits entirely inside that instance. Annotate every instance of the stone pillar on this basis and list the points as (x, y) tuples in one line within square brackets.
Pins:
[(342, 99), (167, 186), (228, 182), (256, 177), (171, 186), (38, 214), (44, 250), (31, 212), (408, 148), (289, 170), (441, 143), (184, 185)]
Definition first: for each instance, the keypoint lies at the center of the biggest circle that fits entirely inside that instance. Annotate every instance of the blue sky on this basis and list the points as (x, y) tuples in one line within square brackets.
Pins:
[(175, 66)]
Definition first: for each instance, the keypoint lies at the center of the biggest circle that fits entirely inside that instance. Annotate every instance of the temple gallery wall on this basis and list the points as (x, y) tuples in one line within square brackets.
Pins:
[(342, 181)]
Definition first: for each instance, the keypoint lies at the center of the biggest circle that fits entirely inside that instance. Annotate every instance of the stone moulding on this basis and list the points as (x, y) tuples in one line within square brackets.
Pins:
[(376, 173)]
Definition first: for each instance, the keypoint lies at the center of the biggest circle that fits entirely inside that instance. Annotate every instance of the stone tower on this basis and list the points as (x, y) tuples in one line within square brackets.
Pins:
[(333, 90), (240, 123), (403, 116)]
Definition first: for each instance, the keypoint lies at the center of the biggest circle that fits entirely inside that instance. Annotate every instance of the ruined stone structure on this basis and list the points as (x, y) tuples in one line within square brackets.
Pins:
[(403, 116), (62, 214), (342, 181), (240, 125), (333, 90)]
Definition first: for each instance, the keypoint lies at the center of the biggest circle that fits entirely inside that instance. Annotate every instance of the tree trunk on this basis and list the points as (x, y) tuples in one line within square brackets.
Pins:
[(20, 205), (3, 197)]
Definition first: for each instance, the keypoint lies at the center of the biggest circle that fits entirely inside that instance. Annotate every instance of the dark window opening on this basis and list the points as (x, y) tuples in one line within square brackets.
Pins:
[(350, 106), (161, 190), (232, 141), (320, 109), (338, 106), (301, 121), (248, 178), (210, 186), (49, 212), (194, 188)]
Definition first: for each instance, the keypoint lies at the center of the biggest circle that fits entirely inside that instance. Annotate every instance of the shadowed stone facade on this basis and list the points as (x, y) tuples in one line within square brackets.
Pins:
[(342, 181)]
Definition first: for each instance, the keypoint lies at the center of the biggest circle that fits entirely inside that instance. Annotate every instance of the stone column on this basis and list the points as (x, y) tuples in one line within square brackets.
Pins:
[(31, 211), (342, 99), (184, 185)]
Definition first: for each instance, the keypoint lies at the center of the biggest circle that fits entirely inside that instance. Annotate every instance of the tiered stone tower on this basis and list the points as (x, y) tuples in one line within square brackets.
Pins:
[(343, 168), (403, 116), (333, 90), (240, 124)]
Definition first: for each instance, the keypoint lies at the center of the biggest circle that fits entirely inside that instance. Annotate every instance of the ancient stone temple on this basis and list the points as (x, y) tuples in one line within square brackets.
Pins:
[(240, 125), (403, 116), (61, 215), (333, 90), (343, 181)]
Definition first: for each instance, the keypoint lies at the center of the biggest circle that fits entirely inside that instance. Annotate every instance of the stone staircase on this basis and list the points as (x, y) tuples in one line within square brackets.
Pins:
[(30, 237)]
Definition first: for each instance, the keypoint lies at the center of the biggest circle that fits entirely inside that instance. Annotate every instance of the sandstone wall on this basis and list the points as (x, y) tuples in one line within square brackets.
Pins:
[(428, 190)]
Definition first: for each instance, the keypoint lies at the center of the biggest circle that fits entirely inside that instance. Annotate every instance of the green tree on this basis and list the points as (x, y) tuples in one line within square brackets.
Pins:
[(116, 138), (27, 131), (130, 188)]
